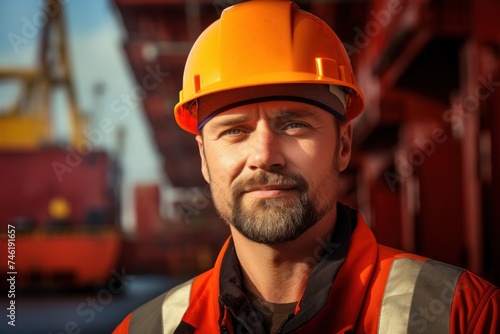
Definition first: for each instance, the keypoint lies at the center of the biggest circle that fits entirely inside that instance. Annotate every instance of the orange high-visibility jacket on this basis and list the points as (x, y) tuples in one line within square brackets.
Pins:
[(357, 286)]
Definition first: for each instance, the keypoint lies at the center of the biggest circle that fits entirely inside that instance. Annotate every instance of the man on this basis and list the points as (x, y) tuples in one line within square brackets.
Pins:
[(269, 93)]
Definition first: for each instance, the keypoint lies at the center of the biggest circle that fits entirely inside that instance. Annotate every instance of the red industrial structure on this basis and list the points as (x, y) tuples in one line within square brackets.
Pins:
[(426, 166), (58, 201), (431, 77)]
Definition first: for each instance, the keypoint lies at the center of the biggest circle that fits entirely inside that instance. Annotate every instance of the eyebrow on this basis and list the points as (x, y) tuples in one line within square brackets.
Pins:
[(281, 115), (230, 120), (286, 115)]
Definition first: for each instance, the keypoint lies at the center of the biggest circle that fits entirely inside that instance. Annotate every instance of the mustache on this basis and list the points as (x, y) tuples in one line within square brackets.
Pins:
[(265, 178)]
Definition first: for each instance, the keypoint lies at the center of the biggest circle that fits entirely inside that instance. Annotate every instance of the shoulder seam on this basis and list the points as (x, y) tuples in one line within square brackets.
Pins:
[(480, 307)]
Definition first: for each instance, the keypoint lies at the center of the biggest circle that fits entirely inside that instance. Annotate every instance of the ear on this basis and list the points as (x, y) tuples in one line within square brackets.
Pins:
[(345, 145), (204, 167)]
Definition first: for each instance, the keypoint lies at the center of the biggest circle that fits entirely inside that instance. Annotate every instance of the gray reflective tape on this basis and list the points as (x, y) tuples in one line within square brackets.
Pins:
[(418, 297), (162, 314), (398, 295), (431, 305), (176, 303)]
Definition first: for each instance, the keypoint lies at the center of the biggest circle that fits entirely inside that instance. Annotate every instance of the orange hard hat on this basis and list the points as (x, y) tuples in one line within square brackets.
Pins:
[(266, 49)]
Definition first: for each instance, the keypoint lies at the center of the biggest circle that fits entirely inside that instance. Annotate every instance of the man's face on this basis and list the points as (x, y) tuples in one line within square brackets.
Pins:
[(273, 167)]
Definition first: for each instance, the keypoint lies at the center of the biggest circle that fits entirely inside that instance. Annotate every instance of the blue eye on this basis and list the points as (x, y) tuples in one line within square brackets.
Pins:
[(295, 126), (232, 132)]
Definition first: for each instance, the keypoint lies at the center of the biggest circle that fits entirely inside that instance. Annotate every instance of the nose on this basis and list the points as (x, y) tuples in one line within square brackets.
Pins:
[(265, 149)]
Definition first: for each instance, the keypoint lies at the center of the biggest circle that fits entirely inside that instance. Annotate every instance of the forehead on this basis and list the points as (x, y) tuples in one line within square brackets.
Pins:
[(272, 110)]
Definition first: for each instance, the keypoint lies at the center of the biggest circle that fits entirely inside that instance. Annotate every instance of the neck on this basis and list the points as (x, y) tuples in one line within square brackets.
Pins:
[(279, 273)]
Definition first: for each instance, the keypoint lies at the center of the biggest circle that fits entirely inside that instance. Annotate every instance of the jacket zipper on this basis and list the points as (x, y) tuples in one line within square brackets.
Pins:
[(280, 330), (223, 329)]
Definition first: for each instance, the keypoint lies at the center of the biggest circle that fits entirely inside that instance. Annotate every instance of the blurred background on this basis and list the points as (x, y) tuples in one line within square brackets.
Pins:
[(104, 191)]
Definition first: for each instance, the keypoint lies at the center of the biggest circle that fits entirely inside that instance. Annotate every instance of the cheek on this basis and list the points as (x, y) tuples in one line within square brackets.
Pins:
[(315, 162), (223, 165), (309, 154), (219, 169)]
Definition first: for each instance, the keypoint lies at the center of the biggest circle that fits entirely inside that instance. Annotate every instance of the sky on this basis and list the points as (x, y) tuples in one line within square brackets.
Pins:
[(95, 35)]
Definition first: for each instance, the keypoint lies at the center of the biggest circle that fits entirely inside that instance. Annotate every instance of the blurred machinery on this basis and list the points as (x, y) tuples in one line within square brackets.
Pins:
[(426, 168), (60, 197), (177, 231)]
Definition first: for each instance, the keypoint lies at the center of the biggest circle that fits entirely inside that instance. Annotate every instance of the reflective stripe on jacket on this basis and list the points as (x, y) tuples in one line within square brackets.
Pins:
[(376, 290)]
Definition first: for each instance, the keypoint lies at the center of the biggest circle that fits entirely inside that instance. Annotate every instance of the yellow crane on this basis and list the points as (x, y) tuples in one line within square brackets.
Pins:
[(28, 122)]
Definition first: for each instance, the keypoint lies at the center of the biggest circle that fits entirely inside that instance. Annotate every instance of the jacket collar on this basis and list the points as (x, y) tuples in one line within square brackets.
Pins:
[(217, 291)]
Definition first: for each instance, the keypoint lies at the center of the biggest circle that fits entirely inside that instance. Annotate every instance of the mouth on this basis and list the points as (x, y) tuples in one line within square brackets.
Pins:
[(269, 191)]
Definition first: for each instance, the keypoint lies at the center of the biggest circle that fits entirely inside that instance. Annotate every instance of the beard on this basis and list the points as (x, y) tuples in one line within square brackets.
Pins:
[(273, 220), (278, 220)]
